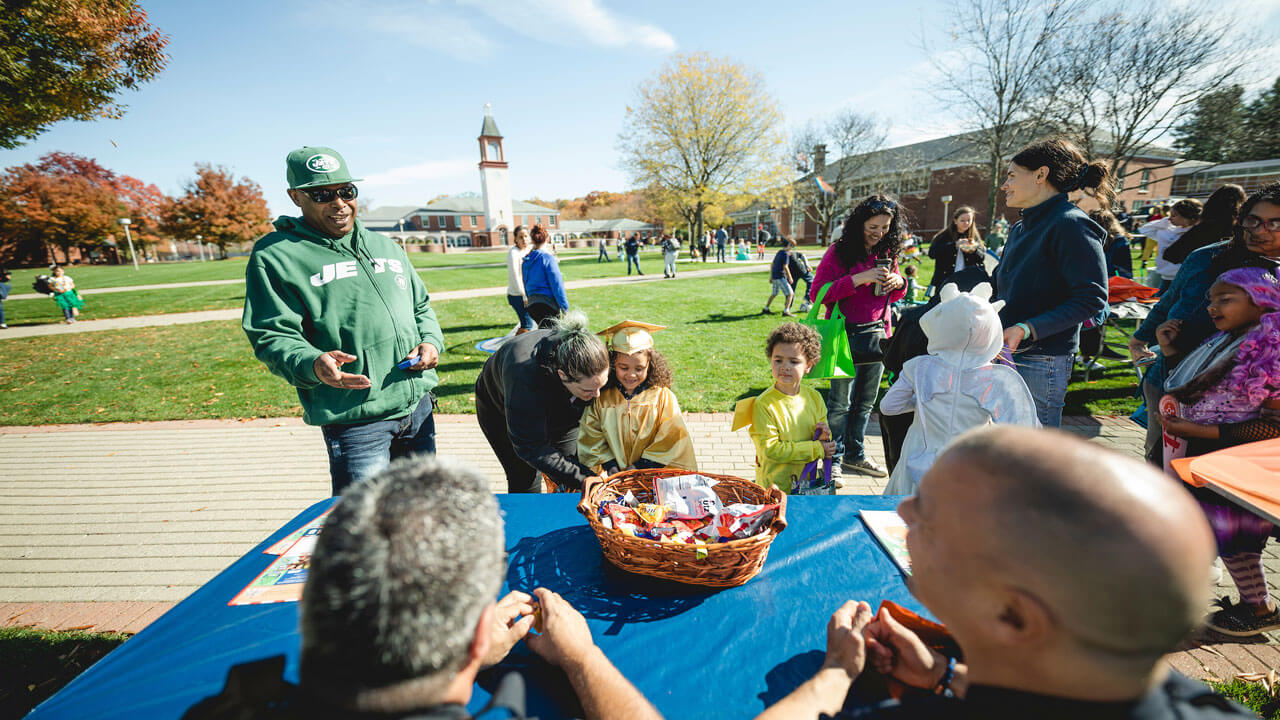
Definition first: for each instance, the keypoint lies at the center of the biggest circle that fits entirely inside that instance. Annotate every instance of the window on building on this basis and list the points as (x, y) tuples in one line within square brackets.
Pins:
[(475, 221), (502, 235), (444, 222), (1145, 181), (1119, 183)]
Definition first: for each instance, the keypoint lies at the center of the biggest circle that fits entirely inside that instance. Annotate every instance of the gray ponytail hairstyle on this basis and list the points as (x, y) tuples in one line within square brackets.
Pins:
[(579, 352)]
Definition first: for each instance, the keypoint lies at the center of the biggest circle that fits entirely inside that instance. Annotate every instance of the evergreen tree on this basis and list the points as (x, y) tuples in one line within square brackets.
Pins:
[(1262, 125), (1215, 128)]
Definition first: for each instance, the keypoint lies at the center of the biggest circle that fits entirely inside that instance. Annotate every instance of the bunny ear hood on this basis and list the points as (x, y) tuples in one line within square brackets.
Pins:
[(964, 329)]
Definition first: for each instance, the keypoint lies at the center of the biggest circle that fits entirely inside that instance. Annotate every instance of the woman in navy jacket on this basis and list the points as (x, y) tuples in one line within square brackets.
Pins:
[(1052, 275)]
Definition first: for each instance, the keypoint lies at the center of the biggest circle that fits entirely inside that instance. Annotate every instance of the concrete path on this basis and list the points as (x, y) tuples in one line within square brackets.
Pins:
[(137, 321)]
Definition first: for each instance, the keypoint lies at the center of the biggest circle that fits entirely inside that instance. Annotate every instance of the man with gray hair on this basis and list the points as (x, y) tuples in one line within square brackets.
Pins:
[(398, 614), (1065, 572)]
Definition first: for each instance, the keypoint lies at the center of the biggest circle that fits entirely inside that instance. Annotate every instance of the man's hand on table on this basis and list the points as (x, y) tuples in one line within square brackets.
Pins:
[(512, 619), (846, 644), (565, 640), (898, 652)]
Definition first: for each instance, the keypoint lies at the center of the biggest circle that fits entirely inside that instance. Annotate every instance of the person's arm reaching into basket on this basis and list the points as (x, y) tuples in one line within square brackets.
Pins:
[(566, 642)]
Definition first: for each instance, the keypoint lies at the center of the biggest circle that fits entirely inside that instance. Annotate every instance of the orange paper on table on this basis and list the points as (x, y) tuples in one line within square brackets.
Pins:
[(1251, 471)]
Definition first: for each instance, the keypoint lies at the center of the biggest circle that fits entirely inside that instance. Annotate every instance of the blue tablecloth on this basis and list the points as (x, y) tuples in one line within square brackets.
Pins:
[(693, 652)]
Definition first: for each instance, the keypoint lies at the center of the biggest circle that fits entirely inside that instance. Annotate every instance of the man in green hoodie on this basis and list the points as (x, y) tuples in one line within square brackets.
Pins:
[(340, 313)]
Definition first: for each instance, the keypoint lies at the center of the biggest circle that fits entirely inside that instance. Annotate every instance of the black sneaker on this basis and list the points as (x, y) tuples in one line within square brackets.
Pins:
[(865, 466), (1238, 619)]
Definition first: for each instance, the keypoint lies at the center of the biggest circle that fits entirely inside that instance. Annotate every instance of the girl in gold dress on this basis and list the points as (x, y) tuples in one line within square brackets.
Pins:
[(636, 421)]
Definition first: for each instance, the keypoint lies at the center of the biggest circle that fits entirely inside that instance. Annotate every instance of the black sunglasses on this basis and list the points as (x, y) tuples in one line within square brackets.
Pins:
[(879, 205), (324, 195)]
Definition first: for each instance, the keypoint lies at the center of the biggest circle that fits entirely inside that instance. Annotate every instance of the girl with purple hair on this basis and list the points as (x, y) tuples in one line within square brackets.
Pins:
[(1227, 392)]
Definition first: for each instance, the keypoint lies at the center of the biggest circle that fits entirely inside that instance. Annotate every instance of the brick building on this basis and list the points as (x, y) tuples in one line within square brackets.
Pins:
[(921, 174), (1198, 179)]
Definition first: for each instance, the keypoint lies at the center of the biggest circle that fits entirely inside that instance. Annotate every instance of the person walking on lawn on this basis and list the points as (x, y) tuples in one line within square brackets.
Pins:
[(633, 253), (339, 312)]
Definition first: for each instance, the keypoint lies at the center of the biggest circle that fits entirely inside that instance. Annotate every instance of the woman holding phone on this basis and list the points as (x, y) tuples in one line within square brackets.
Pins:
[(863, 272)]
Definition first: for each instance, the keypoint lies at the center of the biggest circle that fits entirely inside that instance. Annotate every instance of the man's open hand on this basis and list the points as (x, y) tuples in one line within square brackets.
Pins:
[(328, 369)]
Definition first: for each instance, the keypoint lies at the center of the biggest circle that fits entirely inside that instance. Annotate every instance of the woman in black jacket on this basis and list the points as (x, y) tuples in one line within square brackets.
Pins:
[(530, 396), (1052, 275), (961, 236)]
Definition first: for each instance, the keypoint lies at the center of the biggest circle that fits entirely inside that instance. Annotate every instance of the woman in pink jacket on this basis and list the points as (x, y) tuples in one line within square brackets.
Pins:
[(863, 269)]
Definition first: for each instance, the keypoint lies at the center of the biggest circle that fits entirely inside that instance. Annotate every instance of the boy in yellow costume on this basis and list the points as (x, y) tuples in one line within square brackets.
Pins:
[(788, 421), (636, 421)]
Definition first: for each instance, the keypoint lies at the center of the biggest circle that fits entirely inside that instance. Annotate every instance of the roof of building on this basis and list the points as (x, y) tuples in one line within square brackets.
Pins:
[(388, 213), (962, 149), (474, 204), (1251, 167), (620, 224)]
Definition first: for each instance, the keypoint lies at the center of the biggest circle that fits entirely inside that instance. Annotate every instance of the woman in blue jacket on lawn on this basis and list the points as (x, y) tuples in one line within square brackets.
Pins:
[(543, 283), (1052, 275)]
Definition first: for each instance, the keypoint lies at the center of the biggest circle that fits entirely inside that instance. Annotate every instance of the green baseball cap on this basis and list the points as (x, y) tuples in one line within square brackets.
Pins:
[(313, 166)]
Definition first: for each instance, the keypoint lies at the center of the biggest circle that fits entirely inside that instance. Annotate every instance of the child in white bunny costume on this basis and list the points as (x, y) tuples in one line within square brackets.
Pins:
[(957, 386)]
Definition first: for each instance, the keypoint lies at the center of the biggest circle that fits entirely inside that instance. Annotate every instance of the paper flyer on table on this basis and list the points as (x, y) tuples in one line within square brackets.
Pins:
[(288, 540), (891, 532), (282, 581)]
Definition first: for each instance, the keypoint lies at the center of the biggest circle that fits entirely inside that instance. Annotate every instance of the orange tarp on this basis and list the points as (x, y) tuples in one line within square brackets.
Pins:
[(1251, 472)]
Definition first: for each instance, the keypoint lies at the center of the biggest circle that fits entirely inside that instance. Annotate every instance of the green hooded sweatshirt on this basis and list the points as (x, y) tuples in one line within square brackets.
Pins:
[(306, 294)]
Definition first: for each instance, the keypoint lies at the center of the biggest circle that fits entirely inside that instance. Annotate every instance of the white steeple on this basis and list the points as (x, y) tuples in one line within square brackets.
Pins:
[(495, 185)]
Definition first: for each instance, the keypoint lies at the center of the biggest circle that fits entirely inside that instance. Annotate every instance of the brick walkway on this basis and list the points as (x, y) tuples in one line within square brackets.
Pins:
[(105, 527)]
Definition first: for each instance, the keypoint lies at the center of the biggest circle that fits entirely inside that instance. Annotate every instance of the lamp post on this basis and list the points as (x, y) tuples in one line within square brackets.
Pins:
[(125, 222), (946, 211), (200, 245)]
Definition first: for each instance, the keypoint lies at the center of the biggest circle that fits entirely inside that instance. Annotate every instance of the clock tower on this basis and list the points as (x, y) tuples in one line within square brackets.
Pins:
[(495, 184)]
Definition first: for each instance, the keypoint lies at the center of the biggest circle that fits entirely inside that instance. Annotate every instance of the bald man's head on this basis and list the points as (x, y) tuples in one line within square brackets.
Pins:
[(1116, 551)]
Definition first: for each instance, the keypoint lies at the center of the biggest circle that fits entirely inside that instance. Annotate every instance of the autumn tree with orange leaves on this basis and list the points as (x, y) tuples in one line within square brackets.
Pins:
[(217, 206), (66, 200), (69, 59)]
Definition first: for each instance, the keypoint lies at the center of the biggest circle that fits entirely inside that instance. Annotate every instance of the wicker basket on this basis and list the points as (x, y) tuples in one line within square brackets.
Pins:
[(727, 564)]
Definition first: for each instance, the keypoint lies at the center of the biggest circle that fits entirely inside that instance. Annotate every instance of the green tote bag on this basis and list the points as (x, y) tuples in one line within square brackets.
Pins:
[(836, 360)]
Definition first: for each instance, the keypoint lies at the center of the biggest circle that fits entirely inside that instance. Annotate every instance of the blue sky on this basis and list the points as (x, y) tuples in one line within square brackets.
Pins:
[(398, 86)]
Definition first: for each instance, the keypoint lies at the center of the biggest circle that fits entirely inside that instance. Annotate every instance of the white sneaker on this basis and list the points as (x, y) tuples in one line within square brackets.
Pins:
[(804, 307)]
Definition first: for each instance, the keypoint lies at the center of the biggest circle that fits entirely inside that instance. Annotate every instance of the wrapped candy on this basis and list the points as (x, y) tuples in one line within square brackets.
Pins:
[(742, 520), (688, 496), (651, 513)]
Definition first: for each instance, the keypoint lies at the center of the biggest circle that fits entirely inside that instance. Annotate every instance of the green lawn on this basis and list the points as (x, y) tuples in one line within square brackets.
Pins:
[(39, 311), (106, 276), (34, 664), (715, 342)]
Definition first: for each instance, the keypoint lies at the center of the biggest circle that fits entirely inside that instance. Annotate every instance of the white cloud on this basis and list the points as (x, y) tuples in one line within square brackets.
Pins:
[(410, 184), (574, 21), (461, 28), (431, 27)]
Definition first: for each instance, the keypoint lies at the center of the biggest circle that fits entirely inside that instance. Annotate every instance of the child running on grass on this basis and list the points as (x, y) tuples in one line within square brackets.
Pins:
[(1227, 392), (781, 280), (788, 421), (636, 421)]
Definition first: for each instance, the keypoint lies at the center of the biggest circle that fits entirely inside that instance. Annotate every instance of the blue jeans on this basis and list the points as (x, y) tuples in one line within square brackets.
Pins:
[(517, 304), (633, 259), (849, 403), (358, 451), (1046, 377), (604, 253), (720, 253)]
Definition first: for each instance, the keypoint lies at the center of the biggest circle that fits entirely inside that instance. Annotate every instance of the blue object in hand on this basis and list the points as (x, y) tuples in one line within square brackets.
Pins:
[(406, 363)]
